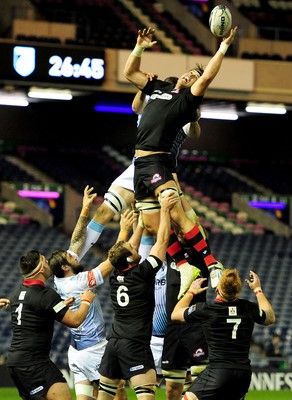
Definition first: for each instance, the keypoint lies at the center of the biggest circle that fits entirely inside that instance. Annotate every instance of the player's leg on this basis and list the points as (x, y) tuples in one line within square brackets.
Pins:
[(195, 236), (121, 392), (86, 390), (108, 388), (116, 199), (58, 391), (174, 383), (145, 385)]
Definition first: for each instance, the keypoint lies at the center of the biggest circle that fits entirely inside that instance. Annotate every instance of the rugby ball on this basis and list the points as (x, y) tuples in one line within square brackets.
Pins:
[(220, 20)]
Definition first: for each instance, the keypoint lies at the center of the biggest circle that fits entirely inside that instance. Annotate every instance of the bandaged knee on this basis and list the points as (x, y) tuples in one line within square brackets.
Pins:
[(109, 389), (197, 369), (146, 389), (93, 233), (175, 375), (85, 390), (148, 205), (115, 201)]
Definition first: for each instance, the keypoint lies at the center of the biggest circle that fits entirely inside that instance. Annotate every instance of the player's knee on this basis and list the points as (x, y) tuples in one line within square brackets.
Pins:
[(115, 201), (148, 389), (175, 375), (85, 390), (197, 369), (109, 389)]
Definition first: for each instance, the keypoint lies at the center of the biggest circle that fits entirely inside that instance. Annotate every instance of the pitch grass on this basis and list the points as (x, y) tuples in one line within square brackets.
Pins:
[(12, 394)]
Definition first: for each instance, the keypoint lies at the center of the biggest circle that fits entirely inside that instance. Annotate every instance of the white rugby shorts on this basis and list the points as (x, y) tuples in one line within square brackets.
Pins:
[(156, 345), (85, 363)]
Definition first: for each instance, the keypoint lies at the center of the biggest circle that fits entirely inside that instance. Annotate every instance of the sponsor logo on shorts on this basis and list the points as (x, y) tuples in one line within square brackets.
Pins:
[(155, 178), (36, 390), (199, 353), (136, 368)]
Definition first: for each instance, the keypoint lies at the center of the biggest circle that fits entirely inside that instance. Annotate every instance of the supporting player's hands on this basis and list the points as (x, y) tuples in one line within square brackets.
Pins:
[(88, 197), (188, 273), (145, 37), (69, 301), (253, 281), (87, 295), (4, 303), (128, 218), (168, 199), (196, 286), (151, 76)]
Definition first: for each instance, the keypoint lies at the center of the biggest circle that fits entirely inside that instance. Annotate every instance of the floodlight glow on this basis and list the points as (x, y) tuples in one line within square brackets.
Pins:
[(265, 108), (231, 116), (13, 101), (50, 94), (277, 205), (114, 108), (38, 194)]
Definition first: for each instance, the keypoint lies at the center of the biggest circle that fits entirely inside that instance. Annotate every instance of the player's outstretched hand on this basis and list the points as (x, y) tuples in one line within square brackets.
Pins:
[(196, 286), (253, 281), (231, 36), (88, 197), (145, 37)]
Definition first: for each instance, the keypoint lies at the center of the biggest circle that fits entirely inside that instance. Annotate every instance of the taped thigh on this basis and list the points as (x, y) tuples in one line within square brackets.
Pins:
[(175, 375), (148, 205), (197, 369), (115, 201), (86, 390), (109, 389), (148, 389)]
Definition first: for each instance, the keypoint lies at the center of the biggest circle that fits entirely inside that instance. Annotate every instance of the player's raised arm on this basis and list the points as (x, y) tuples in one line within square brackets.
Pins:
[(200, 86), (132, 69)]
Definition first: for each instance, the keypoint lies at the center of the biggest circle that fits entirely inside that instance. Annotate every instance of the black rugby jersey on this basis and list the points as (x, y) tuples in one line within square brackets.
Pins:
[(228, 329), (165, 113), (132, 296), (34, 309)]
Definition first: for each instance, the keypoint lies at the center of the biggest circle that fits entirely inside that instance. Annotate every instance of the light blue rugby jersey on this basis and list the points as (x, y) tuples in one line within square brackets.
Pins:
[(92, 330), (159, 321)]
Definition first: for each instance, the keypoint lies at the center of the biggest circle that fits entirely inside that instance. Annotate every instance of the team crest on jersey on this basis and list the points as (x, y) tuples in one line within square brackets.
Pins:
[(155, 178), (232, 310), (192, 308), (91, 279), (120, 278)]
